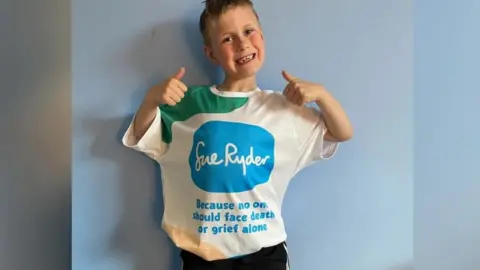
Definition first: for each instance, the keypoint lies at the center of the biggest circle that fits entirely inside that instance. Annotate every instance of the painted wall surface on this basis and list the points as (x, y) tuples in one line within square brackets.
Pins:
[(358, 206), (447, 113), (35, 135)]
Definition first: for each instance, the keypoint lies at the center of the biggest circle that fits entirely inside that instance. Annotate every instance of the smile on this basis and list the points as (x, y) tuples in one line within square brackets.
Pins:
[(246, 59)]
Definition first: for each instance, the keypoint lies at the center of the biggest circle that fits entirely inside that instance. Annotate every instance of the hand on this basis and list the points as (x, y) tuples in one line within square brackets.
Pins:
[(171, 91), (300, 92)]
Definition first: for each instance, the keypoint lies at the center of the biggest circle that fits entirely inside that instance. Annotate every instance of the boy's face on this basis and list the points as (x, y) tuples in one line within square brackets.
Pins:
[(236, 43)]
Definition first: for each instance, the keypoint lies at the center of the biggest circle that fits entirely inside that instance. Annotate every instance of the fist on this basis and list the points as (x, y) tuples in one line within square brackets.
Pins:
[(300, 92), (171, 91)]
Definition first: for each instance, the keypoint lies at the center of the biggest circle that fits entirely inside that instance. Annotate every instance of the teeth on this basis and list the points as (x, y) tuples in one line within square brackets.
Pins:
[(245, 59)]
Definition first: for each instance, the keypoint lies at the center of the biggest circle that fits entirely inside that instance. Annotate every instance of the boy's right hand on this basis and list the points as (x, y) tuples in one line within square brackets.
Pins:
[(169, 92)]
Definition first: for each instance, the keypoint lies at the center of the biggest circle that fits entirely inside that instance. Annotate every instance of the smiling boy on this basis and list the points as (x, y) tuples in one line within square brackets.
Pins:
[(228, 151)]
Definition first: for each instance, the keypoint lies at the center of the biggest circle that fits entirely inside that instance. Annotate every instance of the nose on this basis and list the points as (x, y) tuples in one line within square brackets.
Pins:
[(243, 44)]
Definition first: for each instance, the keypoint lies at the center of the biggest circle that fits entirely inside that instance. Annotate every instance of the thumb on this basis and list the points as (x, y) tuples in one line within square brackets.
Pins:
[(287, 76), (180, 73)]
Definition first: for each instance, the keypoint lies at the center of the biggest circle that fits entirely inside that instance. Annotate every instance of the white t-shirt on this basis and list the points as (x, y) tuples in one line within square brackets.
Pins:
[(226, 160)]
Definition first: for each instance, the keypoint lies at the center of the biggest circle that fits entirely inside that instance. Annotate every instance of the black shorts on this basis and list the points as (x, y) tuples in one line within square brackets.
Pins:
[(269, 258)]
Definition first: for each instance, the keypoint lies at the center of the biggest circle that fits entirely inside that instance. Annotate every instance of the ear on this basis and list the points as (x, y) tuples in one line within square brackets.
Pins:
[(209, 53)]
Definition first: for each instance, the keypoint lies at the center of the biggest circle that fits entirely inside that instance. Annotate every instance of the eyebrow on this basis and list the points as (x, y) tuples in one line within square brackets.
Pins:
[(249, 25)]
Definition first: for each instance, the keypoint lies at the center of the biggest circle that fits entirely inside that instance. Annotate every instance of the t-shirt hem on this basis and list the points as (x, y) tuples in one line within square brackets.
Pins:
[(265, 245)]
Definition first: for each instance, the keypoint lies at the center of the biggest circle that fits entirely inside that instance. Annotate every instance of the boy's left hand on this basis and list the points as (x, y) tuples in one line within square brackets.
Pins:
[(301, 92)]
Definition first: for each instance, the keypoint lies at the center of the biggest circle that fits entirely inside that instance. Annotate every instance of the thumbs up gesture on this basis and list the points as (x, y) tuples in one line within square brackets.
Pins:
[(171, 91), (300, 92)]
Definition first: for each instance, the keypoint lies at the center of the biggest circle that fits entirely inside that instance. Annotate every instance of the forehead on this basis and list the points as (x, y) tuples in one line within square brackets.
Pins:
[(235, 17)]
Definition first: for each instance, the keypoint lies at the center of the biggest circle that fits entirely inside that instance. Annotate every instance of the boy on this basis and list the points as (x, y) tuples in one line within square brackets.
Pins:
[(228, 151)]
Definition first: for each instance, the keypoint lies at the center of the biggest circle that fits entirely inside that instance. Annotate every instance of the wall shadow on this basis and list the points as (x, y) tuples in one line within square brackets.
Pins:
[(153, 55), (159, 52), (137, 234)]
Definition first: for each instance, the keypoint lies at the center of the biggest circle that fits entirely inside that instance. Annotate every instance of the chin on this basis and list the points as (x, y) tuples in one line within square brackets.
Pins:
[(247, 71)]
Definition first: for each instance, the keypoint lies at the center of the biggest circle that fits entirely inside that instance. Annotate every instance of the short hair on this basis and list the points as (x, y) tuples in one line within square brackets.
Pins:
[(214, 9)]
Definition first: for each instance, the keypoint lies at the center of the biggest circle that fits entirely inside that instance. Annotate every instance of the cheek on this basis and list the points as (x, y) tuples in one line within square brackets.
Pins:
[(257, 41), (226, 52)]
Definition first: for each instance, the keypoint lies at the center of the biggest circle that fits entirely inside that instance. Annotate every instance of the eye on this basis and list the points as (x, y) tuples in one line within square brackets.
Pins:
[(227, 39), (249, 31)]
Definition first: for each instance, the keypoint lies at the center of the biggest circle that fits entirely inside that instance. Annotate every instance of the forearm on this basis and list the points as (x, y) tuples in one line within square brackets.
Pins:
[(144, 118), (336, 120)]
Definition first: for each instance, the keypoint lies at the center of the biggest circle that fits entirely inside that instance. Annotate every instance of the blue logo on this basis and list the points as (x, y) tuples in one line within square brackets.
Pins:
[(228, 157)]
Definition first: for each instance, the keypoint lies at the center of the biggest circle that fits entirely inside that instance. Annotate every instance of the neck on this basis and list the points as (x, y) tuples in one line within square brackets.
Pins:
[(238, 85)]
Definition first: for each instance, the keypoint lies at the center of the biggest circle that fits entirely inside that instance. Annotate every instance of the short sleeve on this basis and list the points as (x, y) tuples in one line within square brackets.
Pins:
[(151, 143), (310, 129)]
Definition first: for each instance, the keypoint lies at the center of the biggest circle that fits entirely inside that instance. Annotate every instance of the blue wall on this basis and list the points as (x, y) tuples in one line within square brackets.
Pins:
[(358, 206), (447, 113), (35, 135), (360, 203)]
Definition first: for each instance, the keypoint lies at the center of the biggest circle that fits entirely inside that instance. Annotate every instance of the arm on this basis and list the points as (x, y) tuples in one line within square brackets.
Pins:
[(300, 92), (170, 92), (144, 118), (337, 122), (144, 133)]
